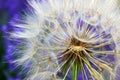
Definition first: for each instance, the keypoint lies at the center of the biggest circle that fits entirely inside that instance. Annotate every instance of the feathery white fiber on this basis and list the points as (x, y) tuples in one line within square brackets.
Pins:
[(66, 36)]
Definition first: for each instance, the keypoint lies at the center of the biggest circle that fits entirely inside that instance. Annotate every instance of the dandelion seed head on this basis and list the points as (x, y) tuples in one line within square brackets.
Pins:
[(62, 33)]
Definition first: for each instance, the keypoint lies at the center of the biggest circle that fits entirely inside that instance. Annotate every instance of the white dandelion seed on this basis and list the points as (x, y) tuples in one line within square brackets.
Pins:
[(67, 36)]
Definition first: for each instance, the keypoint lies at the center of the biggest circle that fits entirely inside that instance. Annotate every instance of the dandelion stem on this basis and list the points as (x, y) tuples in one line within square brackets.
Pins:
[(69, 68), (75, 71)]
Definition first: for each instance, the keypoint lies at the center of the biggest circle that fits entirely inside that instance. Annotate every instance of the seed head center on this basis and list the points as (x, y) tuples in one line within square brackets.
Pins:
[(77, 48), (77, 45)]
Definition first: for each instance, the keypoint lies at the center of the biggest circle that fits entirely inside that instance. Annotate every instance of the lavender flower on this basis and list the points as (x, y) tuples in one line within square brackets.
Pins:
[(62, 38)]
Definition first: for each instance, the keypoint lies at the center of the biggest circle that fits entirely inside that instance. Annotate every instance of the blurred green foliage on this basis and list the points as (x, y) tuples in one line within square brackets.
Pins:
[(3, 65), (3, 18)]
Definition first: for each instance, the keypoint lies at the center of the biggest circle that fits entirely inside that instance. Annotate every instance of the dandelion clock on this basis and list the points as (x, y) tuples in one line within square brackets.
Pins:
[(68, 40)]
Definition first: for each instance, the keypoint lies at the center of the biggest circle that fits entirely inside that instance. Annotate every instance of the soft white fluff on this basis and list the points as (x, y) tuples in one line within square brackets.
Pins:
[(45, 37)]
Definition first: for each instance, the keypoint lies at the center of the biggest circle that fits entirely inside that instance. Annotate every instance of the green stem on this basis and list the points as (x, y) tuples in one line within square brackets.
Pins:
[(75, 71)]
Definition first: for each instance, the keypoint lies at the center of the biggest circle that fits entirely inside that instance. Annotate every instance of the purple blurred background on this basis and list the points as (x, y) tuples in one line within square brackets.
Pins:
[(8, 10)]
